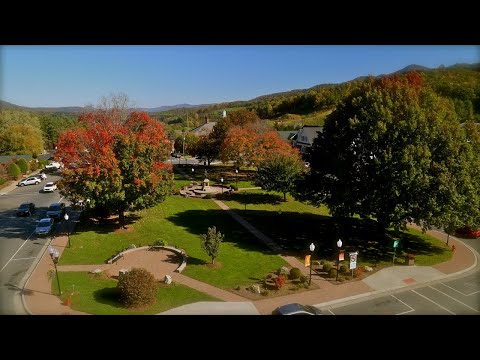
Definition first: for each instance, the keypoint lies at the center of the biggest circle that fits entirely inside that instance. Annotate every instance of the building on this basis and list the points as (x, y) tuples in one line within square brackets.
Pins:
[(205, 129), (288, 136), (305, 136)]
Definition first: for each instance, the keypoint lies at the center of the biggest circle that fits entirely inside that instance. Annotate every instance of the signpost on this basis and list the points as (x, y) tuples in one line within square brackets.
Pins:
[(395, 245), (353, 260)]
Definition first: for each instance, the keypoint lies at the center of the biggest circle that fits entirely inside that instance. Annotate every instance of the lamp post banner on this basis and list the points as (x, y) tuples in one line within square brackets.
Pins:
[(307, 260), (353, 259), (341, 255)]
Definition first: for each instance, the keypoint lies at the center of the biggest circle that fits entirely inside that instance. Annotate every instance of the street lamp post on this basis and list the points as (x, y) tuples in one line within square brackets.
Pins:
[(193, 173), (312, 249), (68, 230), (339, 244), (221, 180), (236, 178), (54, 255)]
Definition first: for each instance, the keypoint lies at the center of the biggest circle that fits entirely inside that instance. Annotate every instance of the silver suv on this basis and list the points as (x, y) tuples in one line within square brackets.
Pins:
[(33, 180)]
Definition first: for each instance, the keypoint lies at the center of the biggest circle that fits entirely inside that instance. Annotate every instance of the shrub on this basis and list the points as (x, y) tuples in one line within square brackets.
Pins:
[(332, 273), (341, 279), (327, 266), (343, 268), (265, 292), (234, 187), (137, 288), (23, 165), (279, 281), (237, 287), (160, 243), (322, 262), (295, 273), (14, 171), (33, 165), (2, 181), (282, 271), (303, 278), (208, 196), (358, 271)]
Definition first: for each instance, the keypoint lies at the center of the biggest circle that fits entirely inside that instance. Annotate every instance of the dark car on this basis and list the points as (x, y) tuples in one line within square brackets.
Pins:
[(56, 211), (26, 209), (296, 309)]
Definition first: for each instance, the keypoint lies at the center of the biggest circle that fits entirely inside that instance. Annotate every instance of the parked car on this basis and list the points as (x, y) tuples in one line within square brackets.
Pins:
[(56, 211), (49, 187), (53, 166), (296, 309), (26, 209), (32, 180), (468, 232), (44, 226)]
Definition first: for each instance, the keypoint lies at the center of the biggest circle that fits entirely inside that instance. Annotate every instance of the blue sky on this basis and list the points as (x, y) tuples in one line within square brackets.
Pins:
[(52, 76)]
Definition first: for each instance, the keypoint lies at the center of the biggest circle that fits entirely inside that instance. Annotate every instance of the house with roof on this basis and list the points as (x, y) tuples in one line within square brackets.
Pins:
[(205, 129), (287, 136), (305, 136)]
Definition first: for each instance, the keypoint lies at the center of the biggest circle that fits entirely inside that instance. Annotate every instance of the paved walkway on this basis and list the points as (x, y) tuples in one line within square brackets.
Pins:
[(39, 300)]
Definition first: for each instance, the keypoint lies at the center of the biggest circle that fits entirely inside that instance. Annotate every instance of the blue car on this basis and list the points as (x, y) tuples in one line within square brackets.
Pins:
[(44, 227)]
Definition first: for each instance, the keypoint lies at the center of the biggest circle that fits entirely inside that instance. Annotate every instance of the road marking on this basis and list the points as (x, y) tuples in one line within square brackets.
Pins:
[(331, 312), (460, 292), (33, 257), (441, 292), (405, 312), (4, 266), (440, 306)]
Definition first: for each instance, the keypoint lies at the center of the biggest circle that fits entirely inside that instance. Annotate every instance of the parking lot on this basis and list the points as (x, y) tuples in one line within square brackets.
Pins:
[(453, 297)]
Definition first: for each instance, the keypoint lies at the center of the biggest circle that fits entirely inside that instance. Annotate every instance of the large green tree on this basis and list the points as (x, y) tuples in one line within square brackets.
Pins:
[(394, 151), (279, 173), (20, 133), (119, 163)]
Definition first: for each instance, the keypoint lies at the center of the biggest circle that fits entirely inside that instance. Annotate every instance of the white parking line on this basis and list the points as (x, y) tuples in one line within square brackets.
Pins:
[(405, 312), (441, 292), (24, 258), (460, 292), (440, 306)]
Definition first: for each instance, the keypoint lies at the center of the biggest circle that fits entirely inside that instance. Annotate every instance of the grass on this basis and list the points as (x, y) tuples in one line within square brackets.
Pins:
[(294, 225), (97, 295), (180, 221)]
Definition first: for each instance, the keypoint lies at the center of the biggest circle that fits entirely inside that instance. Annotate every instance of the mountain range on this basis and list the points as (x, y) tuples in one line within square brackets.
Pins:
[(78, 109)]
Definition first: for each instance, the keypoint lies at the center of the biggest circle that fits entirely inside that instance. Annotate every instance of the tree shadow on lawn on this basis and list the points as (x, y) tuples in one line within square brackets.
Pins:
[(104, 226), (108, 296), (294, 232)]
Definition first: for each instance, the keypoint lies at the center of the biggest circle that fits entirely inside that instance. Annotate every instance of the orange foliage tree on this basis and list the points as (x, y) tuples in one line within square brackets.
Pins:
[(120, 165)]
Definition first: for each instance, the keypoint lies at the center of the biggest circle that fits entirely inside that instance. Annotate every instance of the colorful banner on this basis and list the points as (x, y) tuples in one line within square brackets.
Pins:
[(307, 260), (341, 255)]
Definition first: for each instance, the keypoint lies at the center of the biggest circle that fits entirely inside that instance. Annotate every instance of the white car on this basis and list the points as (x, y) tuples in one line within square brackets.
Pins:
[(53, 166), (44, 226), (50, 187), (32, 180)]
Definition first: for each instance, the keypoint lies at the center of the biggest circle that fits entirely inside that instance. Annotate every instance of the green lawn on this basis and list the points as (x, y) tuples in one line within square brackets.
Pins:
[(295, 225), (97, 295), (180, 221)]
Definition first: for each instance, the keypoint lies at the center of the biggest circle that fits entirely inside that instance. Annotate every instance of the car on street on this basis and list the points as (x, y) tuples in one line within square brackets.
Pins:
[(44, 226), (32, 180), (49, 187), (56, 211), (296, 309), (53, 166), (26, 209), (468, 232)]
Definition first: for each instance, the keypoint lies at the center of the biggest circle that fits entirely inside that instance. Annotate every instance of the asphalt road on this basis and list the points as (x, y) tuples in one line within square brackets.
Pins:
[(19, 246), (458, 296)]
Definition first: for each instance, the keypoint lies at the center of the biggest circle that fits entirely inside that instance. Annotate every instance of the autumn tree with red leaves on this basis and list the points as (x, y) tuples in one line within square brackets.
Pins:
[(118, 163)]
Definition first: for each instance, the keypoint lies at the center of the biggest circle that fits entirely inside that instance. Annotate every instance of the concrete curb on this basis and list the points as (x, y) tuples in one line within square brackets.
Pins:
[(378, 293)]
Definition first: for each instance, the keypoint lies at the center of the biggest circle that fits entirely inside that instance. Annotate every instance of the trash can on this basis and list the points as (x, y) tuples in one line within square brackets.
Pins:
[(410, 259)]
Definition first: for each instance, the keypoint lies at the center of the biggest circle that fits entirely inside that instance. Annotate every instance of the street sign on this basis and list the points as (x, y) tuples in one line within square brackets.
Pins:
[(395, 243), (353, 259)]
